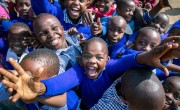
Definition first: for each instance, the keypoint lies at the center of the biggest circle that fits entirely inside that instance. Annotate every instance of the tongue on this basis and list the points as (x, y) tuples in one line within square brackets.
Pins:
[(91, 71)]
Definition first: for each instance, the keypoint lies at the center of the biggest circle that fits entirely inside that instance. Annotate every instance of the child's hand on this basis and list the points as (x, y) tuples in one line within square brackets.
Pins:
[(31, 42), (72, 31), (81, 38), (25, 86), (155, 55), (87, 14), (173, 53), (165, 3), (96, 27), (148, 6)]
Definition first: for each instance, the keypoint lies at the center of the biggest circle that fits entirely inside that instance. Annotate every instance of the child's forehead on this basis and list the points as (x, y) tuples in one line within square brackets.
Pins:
[(22, 1)]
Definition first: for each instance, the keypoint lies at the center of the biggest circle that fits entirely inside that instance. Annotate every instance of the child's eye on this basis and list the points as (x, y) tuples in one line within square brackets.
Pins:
[(153, 46), (142, 43), (176, 96), (55, 28), (28, 5), (99, 57), (86, 56), (166, 90), (81, 1), (163, 26)]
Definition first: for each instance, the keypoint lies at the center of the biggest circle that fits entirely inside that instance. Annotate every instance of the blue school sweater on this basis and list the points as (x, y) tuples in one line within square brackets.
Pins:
[(44, 6), (113, 49), (6, 24), (90, 89), (130, 26)]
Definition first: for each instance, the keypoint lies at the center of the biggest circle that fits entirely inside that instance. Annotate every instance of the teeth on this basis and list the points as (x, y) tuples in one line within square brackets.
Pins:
[(54, 42), (91, 68)]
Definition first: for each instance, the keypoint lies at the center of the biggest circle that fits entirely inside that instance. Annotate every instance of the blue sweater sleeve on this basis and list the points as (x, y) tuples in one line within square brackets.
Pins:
[(44, 6), (124, 63), (63, 82)]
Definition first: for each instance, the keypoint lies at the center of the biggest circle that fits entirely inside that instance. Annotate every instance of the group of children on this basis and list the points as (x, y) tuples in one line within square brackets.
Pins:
[(97, 54)]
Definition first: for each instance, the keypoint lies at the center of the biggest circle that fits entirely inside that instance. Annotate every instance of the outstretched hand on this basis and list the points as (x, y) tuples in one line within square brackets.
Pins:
[(153, 57), (165, 3), (25, 85)]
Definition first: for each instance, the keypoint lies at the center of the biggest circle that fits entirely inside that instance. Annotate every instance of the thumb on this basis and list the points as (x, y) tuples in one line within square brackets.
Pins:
[(95, 11), (163, 68), (98, 21), (36, 76)]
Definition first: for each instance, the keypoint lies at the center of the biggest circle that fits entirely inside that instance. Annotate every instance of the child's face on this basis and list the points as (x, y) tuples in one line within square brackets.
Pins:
[(172, 90), (116, 29), (94, 58), (104, 5), (127, 11), (75, 8), (33, 66), (160, 23), (22, 7), (147, 40), (175, 32), (15, 38), (50, 32)]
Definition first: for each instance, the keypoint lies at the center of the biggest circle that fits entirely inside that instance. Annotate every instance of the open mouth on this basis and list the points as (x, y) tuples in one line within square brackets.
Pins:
[(92, 72), (75, 11)]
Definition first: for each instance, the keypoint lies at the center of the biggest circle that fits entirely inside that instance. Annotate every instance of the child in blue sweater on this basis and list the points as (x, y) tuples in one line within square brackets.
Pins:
[(115, 37), (23, 8), (70, 17), (126, 9), (93, 75), (16, 34)]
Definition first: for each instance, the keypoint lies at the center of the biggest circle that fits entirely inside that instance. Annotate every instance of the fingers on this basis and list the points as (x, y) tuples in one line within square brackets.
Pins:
[(36, 77), (8, 75), (14, 98), (159, 51), (16, 66), (9, 84), (163, 68)]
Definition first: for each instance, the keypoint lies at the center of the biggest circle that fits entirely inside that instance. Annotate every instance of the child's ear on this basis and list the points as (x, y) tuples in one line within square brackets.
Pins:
[(108, 58)]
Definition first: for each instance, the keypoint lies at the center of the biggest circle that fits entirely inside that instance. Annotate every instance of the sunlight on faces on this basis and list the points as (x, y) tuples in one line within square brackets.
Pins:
[(94, 58), (160, 22), (116, 29), (75, 8), (126, 10), (147, 39), (50, 32), (104, 5), (15, 38), (22, 7), (172, 90)]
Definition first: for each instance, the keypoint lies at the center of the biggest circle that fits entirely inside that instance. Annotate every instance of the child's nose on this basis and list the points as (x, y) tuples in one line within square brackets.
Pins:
[(92, 60), (147, 48)]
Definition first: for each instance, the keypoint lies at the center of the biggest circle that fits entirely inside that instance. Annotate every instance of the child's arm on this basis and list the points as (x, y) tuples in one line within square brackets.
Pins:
[(54, 101), (25, 83), (44, 6), (151, 58), (161, 4)]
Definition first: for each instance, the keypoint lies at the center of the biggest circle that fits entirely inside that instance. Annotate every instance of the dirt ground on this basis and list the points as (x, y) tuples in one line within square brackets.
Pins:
[(174, 14)]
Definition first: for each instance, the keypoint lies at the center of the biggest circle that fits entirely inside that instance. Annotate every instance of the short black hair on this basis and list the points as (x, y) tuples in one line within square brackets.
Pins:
[(47, 58), (143, 89), (147, 28), (19, 24), (96, 39), (121, 3)]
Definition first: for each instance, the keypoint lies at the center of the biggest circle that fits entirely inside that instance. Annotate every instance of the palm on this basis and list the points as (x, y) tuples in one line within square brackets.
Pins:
[(25, 86)]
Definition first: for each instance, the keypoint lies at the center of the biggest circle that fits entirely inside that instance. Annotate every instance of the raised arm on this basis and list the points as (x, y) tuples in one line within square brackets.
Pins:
[(28, 87), (44, 6)]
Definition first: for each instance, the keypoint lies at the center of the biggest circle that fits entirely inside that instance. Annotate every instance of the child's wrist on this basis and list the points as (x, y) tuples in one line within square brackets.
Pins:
[(42, 89)]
